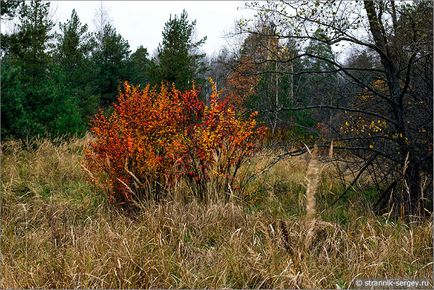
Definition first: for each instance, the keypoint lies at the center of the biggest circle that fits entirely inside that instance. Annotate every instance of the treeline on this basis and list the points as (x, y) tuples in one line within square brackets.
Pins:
[(54, 80), (56, 77)]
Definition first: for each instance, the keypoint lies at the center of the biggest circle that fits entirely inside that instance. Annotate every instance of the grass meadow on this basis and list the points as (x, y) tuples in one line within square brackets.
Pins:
[(58, 230)]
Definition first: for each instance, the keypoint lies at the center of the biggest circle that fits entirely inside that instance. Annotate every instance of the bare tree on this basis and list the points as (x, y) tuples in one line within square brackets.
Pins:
[(101, 19), (388, 121)]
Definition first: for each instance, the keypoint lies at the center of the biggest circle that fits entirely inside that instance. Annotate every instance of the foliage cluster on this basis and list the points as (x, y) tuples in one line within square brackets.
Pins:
[(154, 137)]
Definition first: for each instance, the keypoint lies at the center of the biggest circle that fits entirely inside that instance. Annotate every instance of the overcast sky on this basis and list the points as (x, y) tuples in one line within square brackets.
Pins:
[(141, 22)]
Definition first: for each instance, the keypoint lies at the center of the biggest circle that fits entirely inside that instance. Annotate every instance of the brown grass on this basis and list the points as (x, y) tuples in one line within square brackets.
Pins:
[(59, 232)]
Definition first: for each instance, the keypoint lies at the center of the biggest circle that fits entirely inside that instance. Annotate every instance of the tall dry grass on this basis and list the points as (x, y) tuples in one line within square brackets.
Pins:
[(58, 231)]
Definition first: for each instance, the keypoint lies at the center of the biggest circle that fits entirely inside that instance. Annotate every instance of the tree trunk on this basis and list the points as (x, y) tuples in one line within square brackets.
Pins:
[(406, 199)]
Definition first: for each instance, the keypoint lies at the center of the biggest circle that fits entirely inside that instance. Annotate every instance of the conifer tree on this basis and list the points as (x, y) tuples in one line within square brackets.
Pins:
[(179, 60)]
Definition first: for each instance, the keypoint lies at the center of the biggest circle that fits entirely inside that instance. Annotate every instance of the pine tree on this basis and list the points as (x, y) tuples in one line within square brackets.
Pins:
[(320, 85), (35, 100), (179, 60), (74, 47), (9, 8), (139, 66), (110, 59)]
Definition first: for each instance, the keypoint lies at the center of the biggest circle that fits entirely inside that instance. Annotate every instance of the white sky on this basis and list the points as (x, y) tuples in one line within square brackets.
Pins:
[(141, 22)]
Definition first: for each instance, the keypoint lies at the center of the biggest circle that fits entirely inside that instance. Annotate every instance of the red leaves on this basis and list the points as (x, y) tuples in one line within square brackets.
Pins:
[(154, 137)]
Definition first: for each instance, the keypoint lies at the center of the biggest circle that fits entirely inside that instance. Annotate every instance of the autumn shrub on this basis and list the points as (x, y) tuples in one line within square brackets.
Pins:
[(155, 137)]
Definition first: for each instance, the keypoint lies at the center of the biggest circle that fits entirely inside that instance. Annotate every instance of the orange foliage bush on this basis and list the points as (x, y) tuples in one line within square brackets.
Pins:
[(154, 138), (243, 80)]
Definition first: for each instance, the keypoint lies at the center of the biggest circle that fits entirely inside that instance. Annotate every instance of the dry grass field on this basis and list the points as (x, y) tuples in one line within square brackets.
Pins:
[(59, 231)]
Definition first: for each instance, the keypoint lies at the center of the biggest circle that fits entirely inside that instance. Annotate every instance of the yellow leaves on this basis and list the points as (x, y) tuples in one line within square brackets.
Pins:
[(360, 125), (378, 83), (365, 97)]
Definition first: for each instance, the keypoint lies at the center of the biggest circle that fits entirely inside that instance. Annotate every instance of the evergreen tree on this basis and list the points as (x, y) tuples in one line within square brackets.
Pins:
[(110, 59), (28, 65), (75, 43), (320, 85), (139, 66), (13, 112), (9, 8), (179, 60), (34, 98), (73, 51), (62, 115), (29, 46)]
